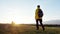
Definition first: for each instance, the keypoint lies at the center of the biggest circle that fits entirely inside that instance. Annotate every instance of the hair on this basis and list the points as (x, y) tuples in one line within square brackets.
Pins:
[(38, 5)]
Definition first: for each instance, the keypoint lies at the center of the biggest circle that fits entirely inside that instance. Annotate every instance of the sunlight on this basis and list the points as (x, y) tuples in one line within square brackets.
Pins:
[(14, 24), (20, 19)]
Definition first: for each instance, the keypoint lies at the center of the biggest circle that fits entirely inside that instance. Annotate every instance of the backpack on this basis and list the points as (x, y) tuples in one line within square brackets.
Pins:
[(40, 13)]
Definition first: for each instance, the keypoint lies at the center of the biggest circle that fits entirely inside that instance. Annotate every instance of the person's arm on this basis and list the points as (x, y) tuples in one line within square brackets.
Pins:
[(35, 12)]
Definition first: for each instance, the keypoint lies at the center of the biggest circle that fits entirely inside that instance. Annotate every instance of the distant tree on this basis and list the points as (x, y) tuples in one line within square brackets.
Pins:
[(13, 23)]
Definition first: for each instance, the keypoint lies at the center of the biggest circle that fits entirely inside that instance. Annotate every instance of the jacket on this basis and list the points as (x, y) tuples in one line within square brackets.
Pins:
[(36, 15)]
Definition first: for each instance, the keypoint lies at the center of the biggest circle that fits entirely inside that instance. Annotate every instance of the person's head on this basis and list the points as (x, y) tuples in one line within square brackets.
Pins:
[(38, 6)]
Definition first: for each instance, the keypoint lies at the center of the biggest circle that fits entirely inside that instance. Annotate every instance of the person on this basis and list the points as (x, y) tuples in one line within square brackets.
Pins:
[(39, 18)]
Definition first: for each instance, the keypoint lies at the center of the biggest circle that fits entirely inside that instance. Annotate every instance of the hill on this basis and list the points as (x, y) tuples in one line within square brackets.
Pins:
[(53, 22)]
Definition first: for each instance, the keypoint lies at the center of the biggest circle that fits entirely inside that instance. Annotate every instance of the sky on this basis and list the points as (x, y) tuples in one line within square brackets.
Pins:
[(23, 11)]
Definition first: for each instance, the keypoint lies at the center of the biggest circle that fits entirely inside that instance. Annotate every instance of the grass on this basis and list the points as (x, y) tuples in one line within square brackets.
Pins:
[(27, 29)]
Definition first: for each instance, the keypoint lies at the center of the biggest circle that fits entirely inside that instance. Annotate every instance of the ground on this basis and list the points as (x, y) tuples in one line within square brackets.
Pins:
[(27, 29)]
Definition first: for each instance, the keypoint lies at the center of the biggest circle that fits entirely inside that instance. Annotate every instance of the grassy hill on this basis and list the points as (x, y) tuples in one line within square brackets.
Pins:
[(27, 29)]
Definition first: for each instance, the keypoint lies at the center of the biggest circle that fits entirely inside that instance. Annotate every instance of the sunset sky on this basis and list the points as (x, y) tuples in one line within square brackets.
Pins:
[(23, 11)]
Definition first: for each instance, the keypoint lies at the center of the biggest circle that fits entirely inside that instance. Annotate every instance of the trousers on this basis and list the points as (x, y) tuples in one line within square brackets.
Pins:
[(37, 24)]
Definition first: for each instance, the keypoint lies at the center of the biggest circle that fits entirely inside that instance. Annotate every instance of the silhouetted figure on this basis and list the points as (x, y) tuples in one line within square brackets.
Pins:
[(38, 17)]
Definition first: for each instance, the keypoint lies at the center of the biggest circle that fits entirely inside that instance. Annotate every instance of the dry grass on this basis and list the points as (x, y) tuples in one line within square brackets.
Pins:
[(26, 29)]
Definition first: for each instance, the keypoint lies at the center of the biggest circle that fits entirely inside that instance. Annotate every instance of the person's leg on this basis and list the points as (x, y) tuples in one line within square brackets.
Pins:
[(37, 26), (41, 24)]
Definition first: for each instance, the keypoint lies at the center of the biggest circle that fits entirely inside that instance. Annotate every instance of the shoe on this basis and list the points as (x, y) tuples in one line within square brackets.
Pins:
[(43, 29), (37, 29)]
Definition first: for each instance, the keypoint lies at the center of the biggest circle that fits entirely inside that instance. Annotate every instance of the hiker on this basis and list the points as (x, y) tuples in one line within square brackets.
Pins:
[(38, 17)]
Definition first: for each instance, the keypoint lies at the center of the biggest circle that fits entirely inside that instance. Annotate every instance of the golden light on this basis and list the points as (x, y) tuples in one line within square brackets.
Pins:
[(14, 24)]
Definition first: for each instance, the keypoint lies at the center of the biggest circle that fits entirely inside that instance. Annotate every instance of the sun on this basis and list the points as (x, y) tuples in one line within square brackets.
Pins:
[(15, 22)]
